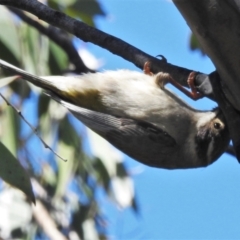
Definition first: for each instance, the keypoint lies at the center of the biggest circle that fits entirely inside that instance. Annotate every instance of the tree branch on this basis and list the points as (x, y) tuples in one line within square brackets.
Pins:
[(216, 25), (231, 115), (104, 40), (46, 222)]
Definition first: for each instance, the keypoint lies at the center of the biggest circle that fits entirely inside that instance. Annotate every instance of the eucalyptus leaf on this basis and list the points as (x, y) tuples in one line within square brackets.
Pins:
[(62, 3), (68, 134), (58, 59), (103, 175), (9, 38), (86, 18), (10, 123), (90, 7), (49, 175), (85, 10), (78, 218), (12, 172), (195, 45), (123, 191), (5, 81), (46, 126), (7, 54), (109, 155), (21, 88), (121, 170), (65, 169), (135, 206), (28, 61), (37, 47), (89, 229), (43, 105)]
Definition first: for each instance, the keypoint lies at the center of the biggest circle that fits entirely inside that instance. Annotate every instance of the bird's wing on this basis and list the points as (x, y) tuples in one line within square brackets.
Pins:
[(139, 139)]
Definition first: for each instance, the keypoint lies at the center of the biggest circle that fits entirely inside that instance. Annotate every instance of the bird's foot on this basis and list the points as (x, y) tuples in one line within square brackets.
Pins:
[(194, 94), (162, 79), (146, 69)]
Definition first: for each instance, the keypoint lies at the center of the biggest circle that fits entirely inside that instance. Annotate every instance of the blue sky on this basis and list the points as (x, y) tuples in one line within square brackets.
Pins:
[(181, 204)]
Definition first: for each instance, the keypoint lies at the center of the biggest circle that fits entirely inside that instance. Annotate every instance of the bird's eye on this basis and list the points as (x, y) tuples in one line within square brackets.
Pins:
[(217, 125)]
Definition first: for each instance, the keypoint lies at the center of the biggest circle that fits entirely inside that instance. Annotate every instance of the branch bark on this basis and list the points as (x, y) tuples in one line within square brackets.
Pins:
[(231, 115), (216, 25), (104, 40)]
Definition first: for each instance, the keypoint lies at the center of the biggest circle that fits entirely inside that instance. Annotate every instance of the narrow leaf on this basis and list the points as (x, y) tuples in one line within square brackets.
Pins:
[(13, 173), (5, 81), (9, 39)]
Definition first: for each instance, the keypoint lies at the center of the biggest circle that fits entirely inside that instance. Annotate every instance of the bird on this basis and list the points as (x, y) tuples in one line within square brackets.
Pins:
[(137, 114)]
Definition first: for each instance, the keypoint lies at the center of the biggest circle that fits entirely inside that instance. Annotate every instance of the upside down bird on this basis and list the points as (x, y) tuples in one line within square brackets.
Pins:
[(138, 115)]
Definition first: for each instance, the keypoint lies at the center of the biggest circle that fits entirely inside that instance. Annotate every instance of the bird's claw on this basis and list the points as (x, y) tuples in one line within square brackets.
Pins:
[(146, 68), (194, 92), (163, 78)]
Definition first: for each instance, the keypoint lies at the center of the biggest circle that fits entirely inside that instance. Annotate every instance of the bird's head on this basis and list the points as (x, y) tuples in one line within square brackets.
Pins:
[(212, 136)]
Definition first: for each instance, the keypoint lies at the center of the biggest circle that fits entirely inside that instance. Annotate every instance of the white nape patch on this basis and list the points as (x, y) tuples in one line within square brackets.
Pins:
[(210, 149), (204, 117)]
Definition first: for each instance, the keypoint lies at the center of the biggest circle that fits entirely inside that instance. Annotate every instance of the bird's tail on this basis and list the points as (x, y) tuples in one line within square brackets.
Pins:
[(37, 81)]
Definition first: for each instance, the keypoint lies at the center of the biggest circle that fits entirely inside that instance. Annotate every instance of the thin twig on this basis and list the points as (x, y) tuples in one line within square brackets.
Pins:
[(45, 221), (35, 131)]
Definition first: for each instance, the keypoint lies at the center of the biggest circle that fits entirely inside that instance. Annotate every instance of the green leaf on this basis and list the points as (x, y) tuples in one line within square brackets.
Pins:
[(9, 41), (195, 45), (68, 135), (79, 217), (33, 61), (89, 7), (60, 3), (5, 81), (103, 175), (46, 126), (69, 146), (65, 169), (22, 90), (135, 206), (12, 172), (7, 54), (43, 105), (49, 175), (121, 170), (58, 59), (85, 10), (10, 123)]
